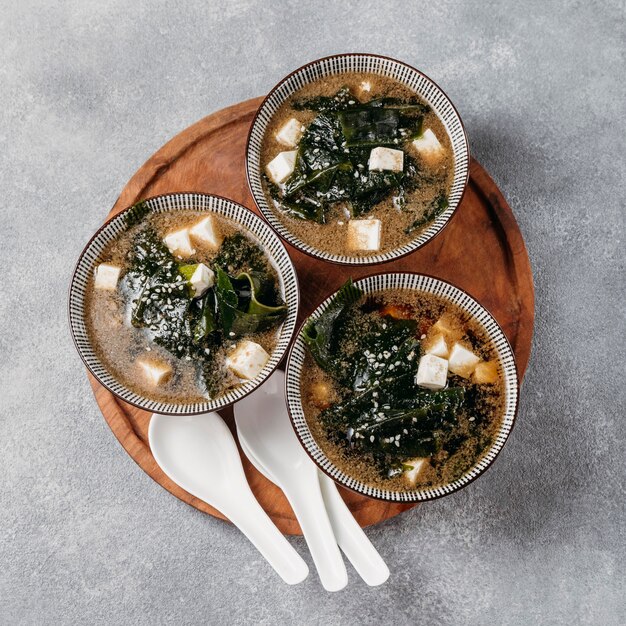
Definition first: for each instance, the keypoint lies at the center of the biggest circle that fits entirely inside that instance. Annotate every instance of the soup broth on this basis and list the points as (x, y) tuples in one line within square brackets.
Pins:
[(192, 309), (402, 389), (357, 148)]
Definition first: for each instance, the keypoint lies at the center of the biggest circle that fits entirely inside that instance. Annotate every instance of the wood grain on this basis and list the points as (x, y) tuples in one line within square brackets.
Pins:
[(481, 250)]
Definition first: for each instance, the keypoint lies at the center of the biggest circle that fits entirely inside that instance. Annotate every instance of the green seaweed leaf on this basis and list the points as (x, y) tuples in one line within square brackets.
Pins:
[(320, 335), (434, 209)]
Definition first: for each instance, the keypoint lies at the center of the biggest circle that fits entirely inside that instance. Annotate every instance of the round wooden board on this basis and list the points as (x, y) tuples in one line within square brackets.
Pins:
[(481, 251)]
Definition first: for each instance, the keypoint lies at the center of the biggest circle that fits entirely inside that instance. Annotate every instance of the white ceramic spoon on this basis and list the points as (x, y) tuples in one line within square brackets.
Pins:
[(271, 438), (349, 535), (199, 453)]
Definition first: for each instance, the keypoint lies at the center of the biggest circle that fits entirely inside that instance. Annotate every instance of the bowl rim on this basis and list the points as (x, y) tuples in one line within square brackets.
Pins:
[(180, 412), (310, 250), (409, 493)]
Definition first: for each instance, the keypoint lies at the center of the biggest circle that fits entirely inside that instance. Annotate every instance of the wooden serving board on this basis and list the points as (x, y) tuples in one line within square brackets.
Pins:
[(481, 251)]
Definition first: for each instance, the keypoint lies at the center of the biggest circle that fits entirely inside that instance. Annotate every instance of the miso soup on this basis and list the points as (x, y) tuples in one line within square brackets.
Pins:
[(183, 306), (356, 164), (403, 388)]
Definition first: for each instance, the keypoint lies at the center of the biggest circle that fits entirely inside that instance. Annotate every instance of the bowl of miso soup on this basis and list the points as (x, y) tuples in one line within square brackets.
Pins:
[(357, 159), (410, 390), (183, 303)]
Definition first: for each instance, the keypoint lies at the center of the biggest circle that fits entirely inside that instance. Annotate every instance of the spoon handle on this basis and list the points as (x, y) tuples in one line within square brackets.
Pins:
[(350, 536), (305, 498), (248, 515)]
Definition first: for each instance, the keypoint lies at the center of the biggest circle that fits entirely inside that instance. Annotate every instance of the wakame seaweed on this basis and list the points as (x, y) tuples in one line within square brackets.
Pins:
[(331, 166), (434, 209), (373, 360), (243, 300)]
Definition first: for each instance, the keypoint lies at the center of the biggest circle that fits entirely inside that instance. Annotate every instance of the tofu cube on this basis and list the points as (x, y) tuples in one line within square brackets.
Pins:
[(432, 372), (386, 159), (419, 465), (179, 243), (462, 361), (486, 373), (290, 133), (428, 146), (247, 359), (206, 232), (319, 395), (202, 278), (438, 347), (365, 88), (364, 234), (107, 276), (447, 326), (155, 371), (281, 167)]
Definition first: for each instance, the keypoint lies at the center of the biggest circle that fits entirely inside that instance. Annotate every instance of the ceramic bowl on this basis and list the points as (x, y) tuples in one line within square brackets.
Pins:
[(418, 82), (505, 357), (90, 257)]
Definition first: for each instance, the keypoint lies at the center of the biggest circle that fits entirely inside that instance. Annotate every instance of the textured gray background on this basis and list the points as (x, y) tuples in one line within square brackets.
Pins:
[(89, 90)]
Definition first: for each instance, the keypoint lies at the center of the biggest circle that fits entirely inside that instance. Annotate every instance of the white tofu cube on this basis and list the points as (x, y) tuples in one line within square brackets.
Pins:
[(281, 167), (202, 279), (419, 465), (155, 371), (486, 373), (107, 276), (365, 88), (428, 146), (179, 243), (247, 359), (432, 372), (386, 159), (206, 232), (364, 234), (290, 133), (462, 361), (438, 346)]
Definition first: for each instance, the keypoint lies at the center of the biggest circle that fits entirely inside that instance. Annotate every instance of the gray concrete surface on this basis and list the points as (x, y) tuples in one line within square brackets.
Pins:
[(88, 90)]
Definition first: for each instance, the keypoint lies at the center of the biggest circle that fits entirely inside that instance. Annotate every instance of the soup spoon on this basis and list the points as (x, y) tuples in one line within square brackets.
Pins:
[(349, 535), (267, 432), (269, 401), (199, 453)]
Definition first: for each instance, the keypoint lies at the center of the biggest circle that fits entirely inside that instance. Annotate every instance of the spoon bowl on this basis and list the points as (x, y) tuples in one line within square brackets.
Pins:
[(199, 453)]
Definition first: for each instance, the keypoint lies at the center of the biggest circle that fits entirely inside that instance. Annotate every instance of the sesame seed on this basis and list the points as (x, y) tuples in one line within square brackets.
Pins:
[(372, 438)]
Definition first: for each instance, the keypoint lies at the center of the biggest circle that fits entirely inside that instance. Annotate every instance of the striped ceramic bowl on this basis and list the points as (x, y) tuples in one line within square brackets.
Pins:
[(90, 257), (383, 66), (506, 358)]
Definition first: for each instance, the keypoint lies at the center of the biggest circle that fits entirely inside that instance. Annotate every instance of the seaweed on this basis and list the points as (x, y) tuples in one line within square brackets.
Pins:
[(434, 209), (163, 303), (321, 336), (238, 254), (343, 99), (331, 166), (136, 213), (373, 361)]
